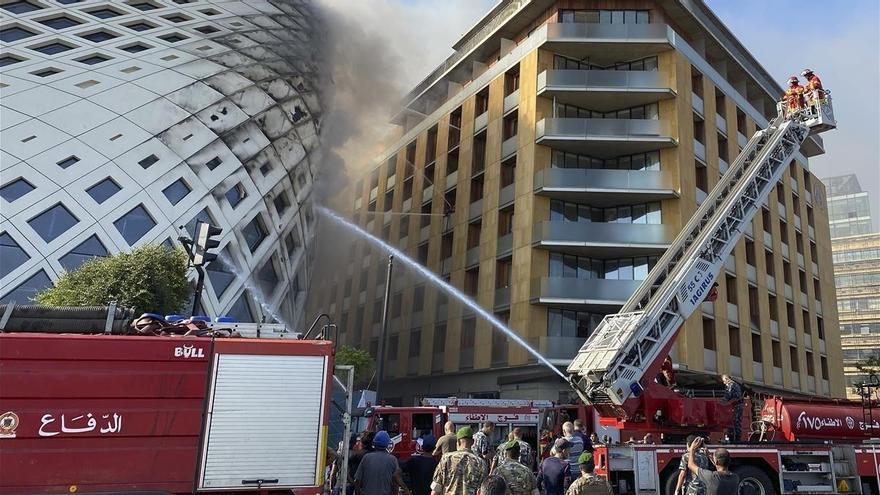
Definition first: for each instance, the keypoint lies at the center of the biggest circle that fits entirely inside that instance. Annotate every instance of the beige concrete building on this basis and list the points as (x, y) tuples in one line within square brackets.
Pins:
[(558, 152)]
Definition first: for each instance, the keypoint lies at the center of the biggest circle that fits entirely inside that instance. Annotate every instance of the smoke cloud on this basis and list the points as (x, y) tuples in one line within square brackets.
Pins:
[(379, 50)]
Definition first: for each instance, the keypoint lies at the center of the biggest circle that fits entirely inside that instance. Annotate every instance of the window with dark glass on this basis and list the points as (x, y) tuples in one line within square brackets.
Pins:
[(639, 161), (102, 191), (267, 277), (255, 232), (20, 7), (53, 222), (15, 189), (11, 254), (643, 213), (89, 249), (235, 195), (569, 323), (649, 111), (135, 224), (60, 22), (15, 33), (241, 311), (176, 191), (220, 273), (25, 292)]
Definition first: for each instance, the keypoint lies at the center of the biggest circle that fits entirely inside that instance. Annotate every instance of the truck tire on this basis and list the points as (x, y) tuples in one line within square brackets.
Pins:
[(754, 481), (669, 481)]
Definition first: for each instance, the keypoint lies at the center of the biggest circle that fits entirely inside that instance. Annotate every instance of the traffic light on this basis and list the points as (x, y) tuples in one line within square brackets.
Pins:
[(204, 243)]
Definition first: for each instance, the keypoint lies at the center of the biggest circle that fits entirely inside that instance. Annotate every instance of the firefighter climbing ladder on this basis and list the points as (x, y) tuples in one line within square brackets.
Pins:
[(609, 366)]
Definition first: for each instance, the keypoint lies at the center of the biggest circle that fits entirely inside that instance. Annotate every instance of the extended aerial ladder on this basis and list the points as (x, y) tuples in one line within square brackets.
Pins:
[(626, 350)]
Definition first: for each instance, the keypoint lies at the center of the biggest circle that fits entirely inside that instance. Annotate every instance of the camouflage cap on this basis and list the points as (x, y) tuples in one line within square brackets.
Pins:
[(464, 432), (585, 457), (513, 444)]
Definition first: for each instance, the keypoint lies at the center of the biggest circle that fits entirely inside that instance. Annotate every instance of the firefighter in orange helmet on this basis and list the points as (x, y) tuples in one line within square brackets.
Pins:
[(794, 95)]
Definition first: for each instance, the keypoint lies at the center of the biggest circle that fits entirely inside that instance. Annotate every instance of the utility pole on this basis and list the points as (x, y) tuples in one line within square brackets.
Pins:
[(383, 335)]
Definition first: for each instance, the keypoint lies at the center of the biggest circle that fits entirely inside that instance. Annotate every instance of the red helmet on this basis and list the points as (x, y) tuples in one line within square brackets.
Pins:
[(792, 80)]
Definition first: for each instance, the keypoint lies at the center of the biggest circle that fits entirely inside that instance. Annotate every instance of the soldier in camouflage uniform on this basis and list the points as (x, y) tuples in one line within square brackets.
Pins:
[(482, 442), (588, 483), (526, 456), (461, 472), (688, 484), (520, 480)]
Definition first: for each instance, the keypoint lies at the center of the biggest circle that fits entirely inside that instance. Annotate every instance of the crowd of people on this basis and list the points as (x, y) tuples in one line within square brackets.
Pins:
[(465, 462)]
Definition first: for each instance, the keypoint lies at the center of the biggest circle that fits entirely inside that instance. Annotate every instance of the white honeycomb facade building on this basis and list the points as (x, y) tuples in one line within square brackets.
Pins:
[(122, 121)]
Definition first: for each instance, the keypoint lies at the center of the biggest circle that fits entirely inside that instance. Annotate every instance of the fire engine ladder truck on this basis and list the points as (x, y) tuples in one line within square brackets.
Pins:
[(610, 368)]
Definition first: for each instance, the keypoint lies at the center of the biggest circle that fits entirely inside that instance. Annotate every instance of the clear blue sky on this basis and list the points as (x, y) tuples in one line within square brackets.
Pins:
[(840, 40)]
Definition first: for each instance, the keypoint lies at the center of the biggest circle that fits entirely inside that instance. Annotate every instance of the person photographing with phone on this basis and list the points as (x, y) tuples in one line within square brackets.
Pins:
[(722, 481)]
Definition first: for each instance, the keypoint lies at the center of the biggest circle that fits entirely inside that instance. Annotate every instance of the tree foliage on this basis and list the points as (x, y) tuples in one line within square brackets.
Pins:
[(359, 358), (151, 278)]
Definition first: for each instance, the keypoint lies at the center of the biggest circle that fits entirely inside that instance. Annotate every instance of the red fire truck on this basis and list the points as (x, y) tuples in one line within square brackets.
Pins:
[(162, 414), (407, 425)]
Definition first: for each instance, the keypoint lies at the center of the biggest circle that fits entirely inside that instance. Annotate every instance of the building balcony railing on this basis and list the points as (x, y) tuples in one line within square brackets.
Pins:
[(472, 257), (406, 206), (502, 298), (697, 104), (603, 138), (446, 266), (508, 147), (559, 350), (741, 139), (511, 101), (591, 294), (721, 124), (604, 90), (475, 210), (481, 121), (427, 193), (605, 44), (505, 246), (777, 375), (599, 187), (603, 239), (700, 151), (507, 195), (424, 233), (451, 180)]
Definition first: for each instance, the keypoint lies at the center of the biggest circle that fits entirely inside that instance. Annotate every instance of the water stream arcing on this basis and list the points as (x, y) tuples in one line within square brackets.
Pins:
[(253, 289), (442, 284)]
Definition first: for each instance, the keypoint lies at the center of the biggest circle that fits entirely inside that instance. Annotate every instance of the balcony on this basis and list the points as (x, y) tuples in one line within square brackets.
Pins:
[(604, 90), (505, 246), (424, 233), (722, 165), (700, 151), (511, 101), (736, 366), (741, 140), (605, 187), (481, 121), (507, 195), (777, 376), (390, 182), (603, 240), (446, 266), (710, 360), (406, 206), (502, 298), (576, 293), (604, 138), (605, 44), (472, 257), (732, 313), (475, 210), (774, 328), (451, 180), (427, 193), (374, 193), (559, 350), (697, 104), (721, 124), (508, 147)]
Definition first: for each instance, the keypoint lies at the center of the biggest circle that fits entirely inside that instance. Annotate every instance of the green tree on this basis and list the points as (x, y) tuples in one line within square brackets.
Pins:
[(151, 278), (359, 358)]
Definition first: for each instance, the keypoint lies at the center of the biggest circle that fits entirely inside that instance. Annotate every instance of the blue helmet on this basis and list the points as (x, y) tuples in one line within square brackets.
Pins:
[(381, 440)]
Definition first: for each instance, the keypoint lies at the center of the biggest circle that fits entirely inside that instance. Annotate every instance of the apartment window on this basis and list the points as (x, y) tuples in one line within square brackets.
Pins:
[(396, 305), (176, 191), (503, 269), (455, 128), (571, 266), (700, 131), (780, 194), (102, 191), (805, 317), (468, 339), (774, 309), (389, 201), (499, 342), (776, 347), (756, 349), (431, 148), (505, 221), (793, 356), (450, 200), (754, 306), (730, 284), (701, 175), (722, 149), (446, 246), (386, 233), (579, 16), (377, 311), (769, 264), (567, 323), (510, 125), (473, 237), (823, 363), (741, 122), (415, 343), (16, 189), (582, 16), (471, 281), (750, 252), (86, 250), (426, 215), (404, 227), (709, 334), (639, 161), (393, 347), (511, 81), (733, 340), (255, 233), (407, 188), (439, 346), (650, 111), (476, 189), (802, 278), (789, 314), (646, 213), (418, 299), (508, 172), (765, 220), (811, 370), (481, 102), (281, 203), (479, 158), (720, 106), (799, 243), (786, 272), (423, 254), (235, 195), (696, 82), (452, 162)]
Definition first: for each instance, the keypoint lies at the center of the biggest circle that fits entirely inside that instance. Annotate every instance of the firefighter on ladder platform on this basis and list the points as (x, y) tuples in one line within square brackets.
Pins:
[(794, 95)]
